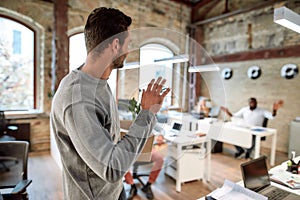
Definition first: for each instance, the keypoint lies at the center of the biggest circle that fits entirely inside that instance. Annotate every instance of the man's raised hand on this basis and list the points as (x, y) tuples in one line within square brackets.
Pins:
[(152, 97)]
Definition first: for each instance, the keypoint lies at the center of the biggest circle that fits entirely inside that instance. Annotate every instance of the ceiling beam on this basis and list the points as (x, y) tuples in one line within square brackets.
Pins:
[(194, 14), (185, 2), (210, 5)]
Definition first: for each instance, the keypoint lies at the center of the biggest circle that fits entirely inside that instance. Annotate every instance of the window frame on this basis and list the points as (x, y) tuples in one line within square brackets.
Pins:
[(38, 60), (158, 44)]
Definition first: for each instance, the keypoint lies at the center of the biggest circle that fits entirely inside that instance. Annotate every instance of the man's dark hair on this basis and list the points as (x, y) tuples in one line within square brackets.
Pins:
[(252, 99), (102, 24)]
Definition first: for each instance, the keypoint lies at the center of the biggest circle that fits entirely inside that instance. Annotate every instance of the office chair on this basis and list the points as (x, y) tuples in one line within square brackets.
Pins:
[(265, 124), (15, 180), (136, 174), (4, 128)]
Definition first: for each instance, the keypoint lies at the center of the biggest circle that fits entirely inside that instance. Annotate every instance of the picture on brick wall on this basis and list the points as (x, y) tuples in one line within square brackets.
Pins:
[(289, 71), (254, 72), (227, 73)]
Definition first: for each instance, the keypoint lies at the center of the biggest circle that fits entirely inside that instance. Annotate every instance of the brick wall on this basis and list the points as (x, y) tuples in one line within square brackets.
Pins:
[(230, 35), (161, 13), (269, 87), (221, 37)]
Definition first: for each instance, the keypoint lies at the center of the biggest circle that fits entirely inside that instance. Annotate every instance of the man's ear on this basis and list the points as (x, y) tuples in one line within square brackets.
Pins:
[(116, 45)]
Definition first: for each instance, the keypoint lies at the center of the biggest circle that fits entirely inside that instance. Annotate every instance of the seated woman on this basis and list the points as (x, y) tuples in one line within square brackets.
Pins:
[(158, 161), (203, 109)]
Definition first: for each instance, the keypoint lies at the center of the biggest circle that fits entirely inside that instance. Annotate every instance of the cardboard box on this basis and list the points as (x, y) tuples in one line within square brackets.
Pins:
[(145, 155)]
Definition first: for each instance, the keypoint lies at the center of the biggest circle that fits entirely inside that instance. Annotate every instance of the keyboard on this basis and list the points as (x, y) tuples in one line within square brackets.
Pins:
[(276, 194)]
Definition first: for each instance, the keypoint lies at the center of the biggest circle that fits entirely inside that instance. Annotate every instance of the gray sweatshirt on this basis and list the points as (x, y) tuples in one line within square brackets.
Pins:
[(85, 123)]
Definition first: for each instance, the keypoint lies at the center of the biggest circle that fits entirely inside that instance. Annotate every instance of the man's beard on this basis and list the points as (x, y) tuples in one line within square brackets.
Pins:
[(119, 61)]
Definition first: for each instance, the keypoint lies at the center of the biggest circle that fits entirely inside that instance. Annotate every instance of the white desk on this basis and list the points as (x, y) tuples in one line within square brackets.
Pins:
[(187, 164), (241, 183), (240, 136), (282, 166)]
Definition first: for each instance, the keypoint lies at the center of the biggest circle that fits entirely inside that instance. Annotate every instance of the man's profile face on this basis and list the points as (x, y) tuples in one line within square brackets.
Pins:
[(119, 61)]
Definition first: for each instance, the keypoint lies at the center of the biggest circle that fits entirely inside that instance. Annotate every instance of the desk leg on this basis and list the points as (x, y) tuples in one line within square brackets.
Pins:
[(178, 186), (178, 181), (273, 149), (208, 160), (257, 146)]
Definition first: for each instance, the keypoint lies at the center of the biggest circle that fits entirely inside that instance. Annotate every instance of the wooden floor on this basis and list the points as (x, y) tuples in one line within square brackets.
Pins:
[(47, 184)]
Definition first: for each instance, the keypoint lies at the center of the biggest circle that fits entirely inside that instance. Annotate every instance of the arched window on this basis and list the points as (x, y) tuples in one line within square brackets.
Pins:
[(17, 66), (149, 68), (77, 51)]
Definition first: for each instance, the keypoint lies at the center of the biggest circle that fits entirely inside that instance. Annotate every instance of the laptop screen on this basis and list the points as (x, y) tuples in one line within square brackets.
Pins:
[(177, 126), (255, 174)]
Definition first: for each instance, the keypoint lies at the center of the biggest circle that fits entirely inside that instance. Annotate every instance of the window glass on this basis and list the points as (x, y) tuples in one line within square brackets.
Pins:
[(77, 51), (78, 55), (16, 66), (151, 69)]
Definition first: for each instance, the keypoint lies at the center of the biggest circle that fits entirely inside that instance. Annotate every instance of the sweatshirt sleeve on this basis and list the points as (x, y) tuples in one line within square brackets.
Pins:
[(85, 125)]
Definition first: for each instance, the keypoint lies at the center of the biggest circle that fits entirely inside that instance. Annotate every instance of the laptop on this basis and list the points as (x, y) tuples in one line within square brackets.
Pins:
[(256, 178), (176, 127)]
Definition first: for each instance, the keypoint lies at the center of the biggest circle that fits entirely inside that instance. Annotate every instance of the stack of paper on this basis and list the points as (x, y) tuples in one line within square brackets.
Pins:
[(231, 190), (286, 178)]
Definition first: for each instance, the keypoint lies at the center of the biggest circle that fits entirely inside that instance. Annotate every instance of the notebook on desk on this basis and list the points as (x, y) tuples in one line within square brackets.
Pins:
[(256, 177)]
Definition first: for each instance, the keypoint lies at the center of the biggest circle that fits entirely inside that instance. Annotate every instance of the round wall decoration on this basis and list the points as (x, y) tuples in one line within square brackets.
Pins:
[(254, 72), (289, 71), (227, 73)]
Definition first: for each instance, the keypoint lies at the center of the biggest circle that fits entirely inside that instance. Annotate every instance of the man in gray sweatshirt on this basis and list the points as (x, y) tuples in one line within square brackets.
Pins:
[(84, 116)]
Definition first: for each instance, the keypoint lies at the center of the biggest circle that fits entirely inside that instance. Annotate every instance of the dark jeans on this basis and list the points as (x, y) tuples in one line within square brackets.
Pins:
[(122, 195), (240, 149)]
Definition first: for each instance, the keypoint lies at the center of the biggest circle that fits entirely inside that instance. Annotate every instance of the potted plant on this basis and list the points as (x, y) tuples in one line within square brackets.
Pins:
[(134, 107)]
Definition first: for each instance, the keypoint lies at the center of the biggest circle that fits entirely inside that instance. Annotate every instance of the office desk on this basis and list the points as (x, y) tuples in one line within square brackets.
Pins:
[(185, 163), (282, 166), (240, 136), (241, 183)]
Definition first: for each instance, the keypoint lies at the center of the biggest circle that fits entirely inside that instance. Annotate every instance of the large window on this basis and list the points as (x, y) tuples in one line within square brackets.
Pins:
[(16, 66)]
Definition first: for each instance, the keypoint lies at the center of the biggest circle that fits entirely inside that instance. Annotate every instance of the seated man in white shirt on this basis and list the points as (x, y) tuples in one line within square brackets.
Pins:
[(253, 116)]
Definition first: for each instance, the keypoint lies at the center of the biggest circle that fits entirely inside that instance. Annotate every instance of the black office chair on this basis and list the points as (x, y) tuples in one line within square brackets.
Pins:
[(265, 124), (4, 128), (136, 174), (14, 154)]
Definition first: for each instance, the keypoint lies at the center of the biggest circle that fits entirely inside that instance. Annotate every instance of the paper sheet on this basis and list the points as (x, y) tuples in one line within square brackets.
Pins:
[(287, 178), (232, 191)]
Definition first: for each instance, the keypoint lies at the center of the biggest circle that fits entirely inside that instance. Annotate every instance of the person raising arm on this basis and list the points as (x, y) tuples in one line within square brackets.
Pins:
[(84, 117), (253, 116)]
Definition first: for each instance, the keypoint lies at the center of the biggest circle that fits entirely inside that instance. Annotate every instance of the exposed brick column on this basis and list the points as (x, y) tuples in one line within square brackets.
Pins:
[(60, 43), (196, 54), (199, 37)]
